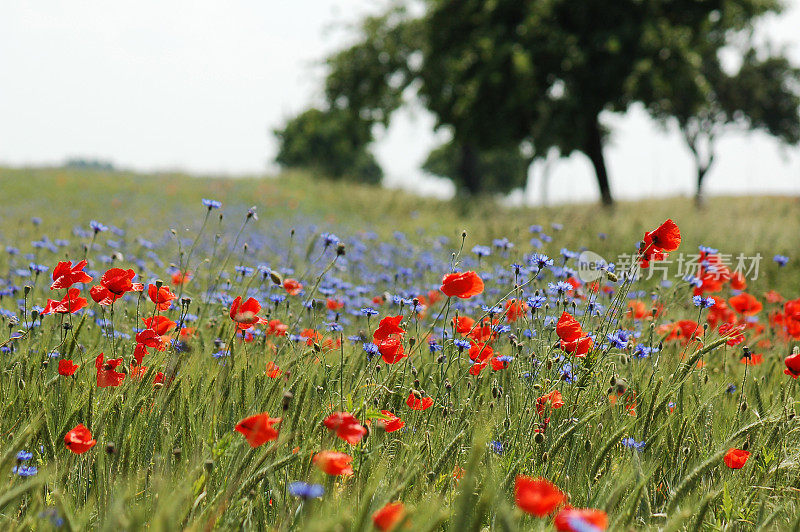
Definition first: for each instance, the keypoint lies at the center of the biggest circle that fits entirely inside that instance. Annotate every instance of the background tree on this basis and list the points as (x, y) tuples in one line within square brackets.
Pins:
[(502, 169), (707, 100), (502, 73), (332, 143)]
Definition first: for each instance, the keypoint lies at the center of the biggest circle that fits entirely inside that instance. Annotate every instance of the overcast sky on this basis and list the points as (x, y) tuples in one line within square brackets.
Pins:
[(199, 85)]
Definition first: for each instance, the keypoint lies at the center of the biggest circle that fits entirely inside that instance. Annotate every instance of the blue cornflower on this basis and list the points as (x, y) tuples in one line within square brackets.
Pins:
[(211, 204), (705, 302), (37, 268), (619, 339), (24, 456), (306, 491), (433, 346), (221, 353), (731, 389), (244, 270), (370, 349), (536, 302), (369, 311), (482, 251), (497, 309), (497, 446), (51, 514), (277, 298), (502, 243), (781, 260), (633, 444), (461, 344), (540, 260), (24, 470), (535, 229), (560, 287), (97, 227), (693, 281), (329, 239), (707, 250), (643, 351), (334, 326)]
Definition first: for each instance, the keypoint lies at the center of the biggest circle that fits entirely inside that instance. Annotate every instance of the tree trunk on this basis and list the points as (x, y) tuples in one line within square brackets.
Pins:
[(594, 150), (699, 198), (468, 170)]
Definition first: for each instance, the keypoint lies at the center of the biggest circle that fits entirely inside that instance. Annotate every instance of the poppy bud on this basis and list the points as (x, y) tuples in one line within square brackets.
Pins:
[(587, 446), (414, 372), (208, 465), (705, 379), (158, 385), (447, 385), (464, 233), (494, 392), (612, 276), (176, 452), (186, 301), (416, 383), (111, 448), (416, 393), (275, 277), (746, 445), (287, 399), (26, 289), (45, 363), (377, 367), (411, 342), (491, 405), (538, 438), (34, 314), (686, 451), (340, 249), (159, 283), (544, 457), (744, 406)]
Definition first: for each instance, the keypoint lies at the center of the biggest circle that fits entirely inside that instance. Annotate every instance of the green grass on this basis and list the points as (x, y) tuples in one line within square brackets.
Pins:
[(167, 456)]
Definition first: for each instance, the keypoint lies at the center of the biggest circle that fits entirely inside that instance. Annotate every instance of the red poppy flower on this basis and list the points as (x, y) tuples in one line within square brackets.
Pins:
[(245, 314), (463, 324), (738, 281), (113, 285), (139, 352), (67, 367), (292, 287), (107, 375), (118, 281), (79, 440), (65, 275), (258, 429), (416, 402), (537, 496), (734, 333), (150, 338), (568, 328), (179, 278), (477, 367), (69, 304), (773, 297), (333, 304), (553, 399), (745, 304), (273, 371), (161, 297), (753, 360), (666, 237), (792, 366), (334, 463), (391, 350), (346, 427), (388, 326), (578, 348), (160, 324), (637, 309), (576, 519), (515, 309), (736, 458), (389, 516), (463, 285), (498, 364), (276, 328), (480, 352), (392, 424)]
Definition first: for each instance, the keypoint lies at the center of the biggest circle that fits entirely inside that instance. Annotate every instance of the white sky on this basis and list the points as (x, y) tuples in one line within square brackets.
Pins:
[(199, 85)]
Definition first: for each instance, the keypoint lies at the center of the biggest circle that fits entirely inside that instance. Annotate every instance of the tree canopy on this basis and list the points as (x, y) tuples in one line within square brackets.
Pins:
[(502, 73)]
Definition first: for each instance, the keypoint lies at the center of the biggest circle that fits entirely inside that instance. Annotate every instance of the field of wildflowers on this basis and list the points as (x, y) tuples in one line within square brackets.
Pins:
[(289, 355)]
